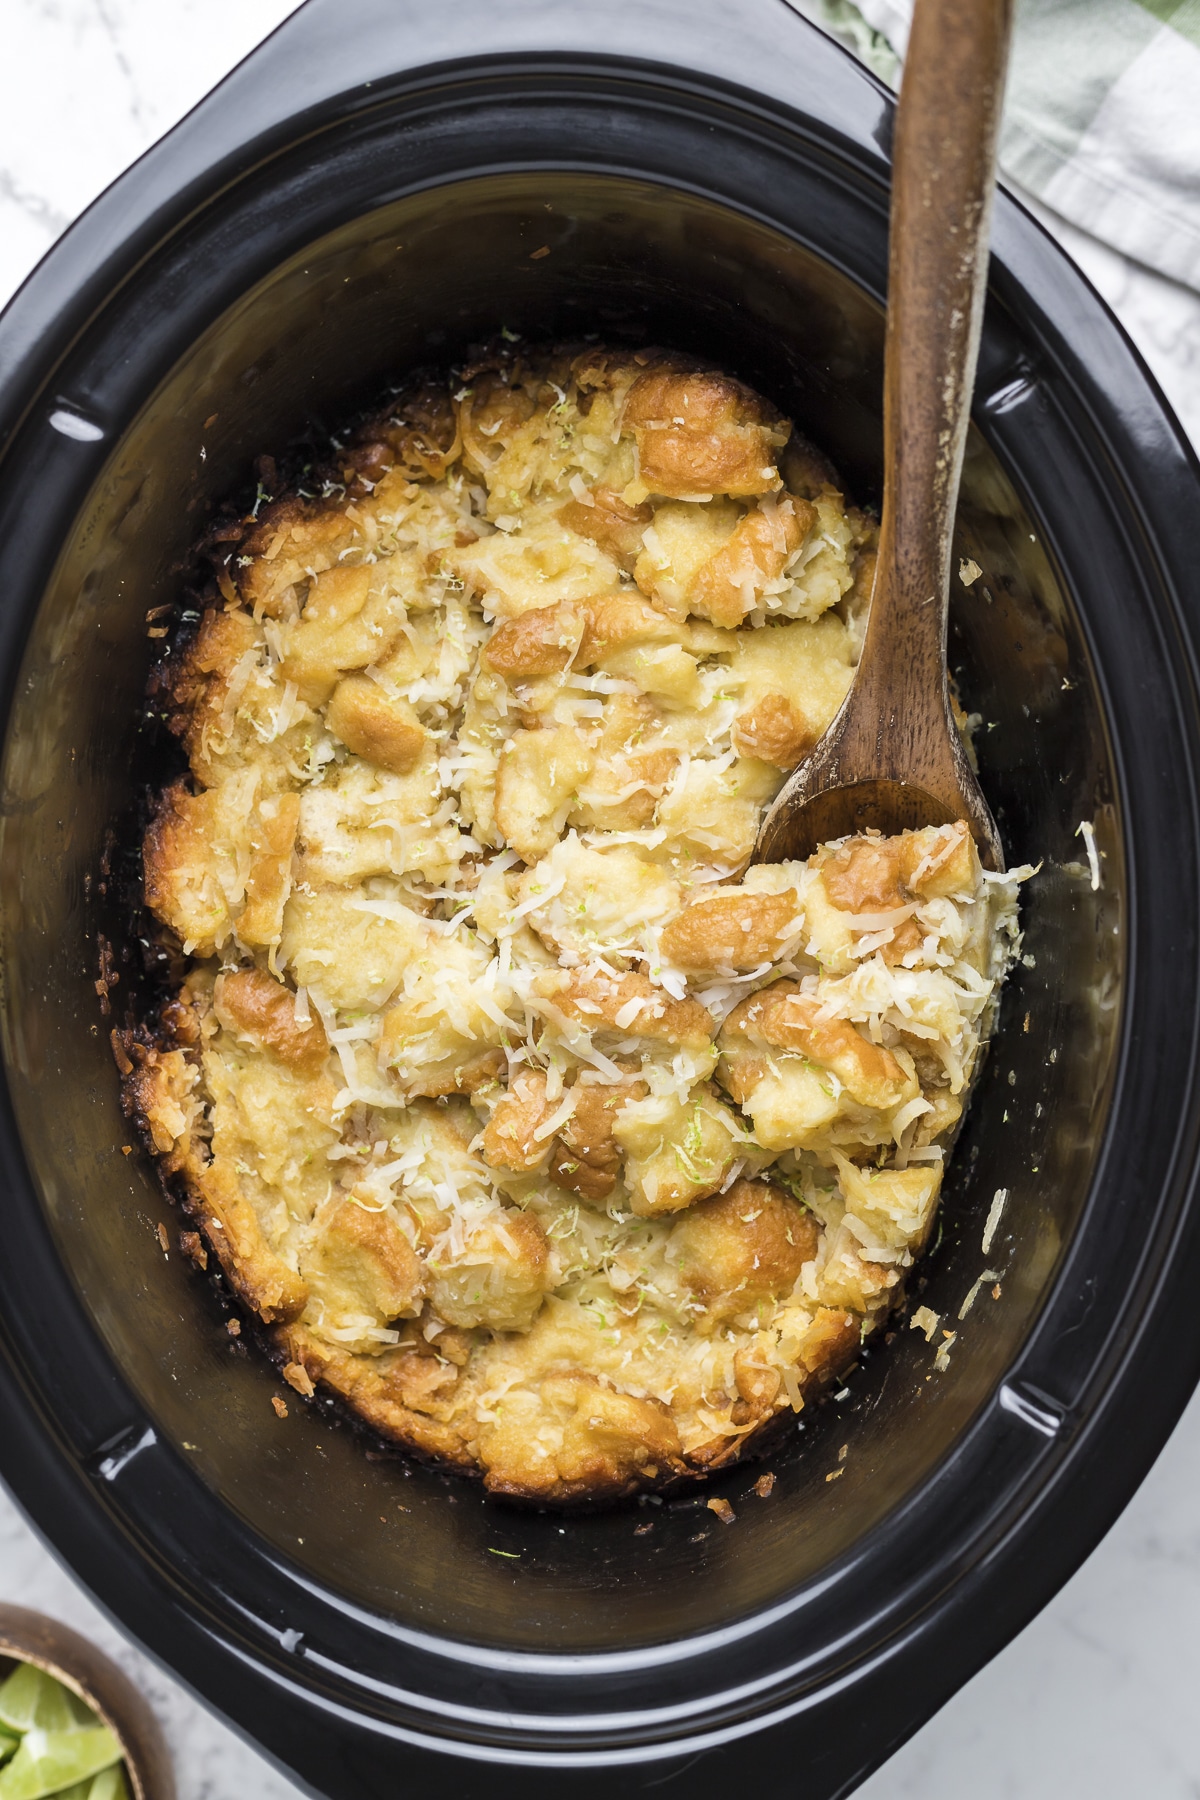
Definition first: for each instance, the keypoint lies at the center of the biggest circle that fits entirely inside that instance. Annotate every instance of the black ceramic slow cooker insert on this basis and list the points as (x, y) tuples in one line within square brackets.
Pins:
[(364, 194)]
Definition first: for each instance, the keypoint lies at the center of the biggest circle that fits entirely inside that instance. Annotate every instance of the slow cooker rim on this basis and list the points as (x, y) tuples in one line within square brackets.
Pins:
[(643, 1752)]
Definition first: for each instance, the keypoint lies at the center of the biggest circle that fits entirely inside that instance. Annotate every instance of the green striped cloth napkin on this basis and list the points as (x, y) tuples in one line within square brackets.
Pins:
[(1102, 120)]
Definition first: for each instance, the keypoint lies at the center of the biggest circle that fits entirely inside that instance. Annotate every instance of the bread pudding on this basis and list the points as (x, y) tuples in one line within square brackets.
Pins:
[(559, 1142)]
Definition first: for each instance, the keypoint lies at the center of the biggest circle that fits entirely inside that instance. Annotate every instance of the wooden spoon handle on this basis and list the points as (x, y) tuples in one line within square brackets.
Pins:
[(893, 758), (942, 184)]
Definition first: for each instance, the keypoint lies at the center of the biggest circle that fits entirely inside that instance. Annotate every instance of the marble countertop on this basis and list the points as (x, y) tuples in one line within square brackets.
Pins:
[(1098, 1695)]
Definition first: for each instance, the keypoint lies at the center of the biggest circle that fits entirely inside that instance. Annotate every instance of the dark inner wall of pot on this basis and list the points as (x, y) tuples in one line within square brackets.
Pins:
[(418, 282)]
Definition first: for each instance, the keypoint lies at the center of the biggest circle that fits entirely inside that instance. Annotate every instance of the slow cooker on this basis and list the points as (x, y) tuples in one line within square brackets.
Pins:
[(366, 193)]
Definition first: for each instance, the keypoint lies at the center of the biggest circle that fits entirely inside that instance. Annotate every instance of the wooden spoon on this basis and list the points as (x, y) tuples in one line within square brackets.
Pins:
[(893, 758)]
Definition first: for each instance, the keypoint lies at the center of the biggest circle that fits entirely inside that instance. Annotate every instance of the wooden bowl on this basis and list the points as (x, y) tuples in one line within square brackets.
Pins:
[(33, 1638)]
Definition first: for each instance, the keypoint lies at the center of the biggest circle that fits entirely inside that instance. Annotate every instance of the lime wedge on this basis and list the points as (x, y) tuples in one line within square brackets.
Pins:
[(8, 1743), (30, 1698), (110, 1784), (50, 1760)]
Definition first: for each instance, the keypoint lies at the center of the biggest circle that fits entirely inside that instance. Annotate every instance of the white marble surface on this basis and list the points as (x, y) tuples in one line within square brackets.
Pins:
[(1098, 1696)]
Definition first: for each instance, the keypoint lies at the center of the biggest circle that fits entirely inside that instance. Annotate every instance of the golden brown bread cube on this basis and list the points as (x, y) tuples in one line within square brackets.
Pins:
[(791, 678), (498, 1280), (575, 1174), (896, 1204), (738, 1250), (729, 585), (352, 956), (251, 1003), (362, 1263), (774, 730), (218, 863), (831, 1343), (580, 633), (362, 821), (758, 1384), (587, 1158), (622, 791), (208, 684), (942, 860), (865, 876), (577, 1439), (703, 434), (620, 620), (183, 871), (628, 1005), (783, 1017), (540, 642), (873, 874), (850, 1278), (515, 573), (269, 881), (348, 623), (432, 1050), (610, 522), (677, 1151), (382, 729), (578, 898), (611, 1437), (265, 1281), (510, 1140), (715, 807), (741, 931), (423, 435), (160, 1091), (685, 536), (536, 783), (791, 1103), (291, 538)]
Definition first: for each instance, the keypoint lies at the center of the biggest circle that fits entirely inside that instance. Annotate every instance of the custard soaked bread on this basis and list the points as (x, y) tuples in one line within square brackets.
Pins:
[(560, 1143)]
